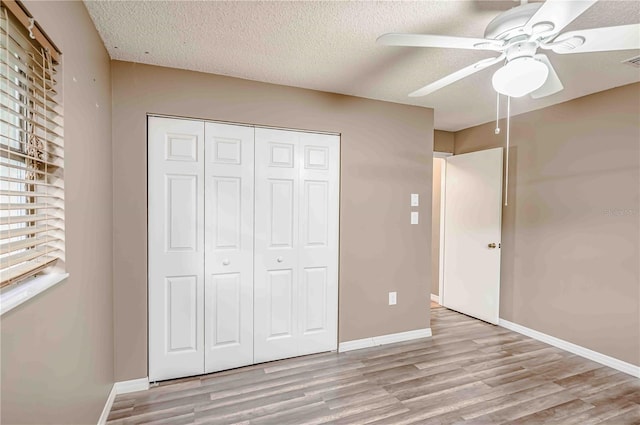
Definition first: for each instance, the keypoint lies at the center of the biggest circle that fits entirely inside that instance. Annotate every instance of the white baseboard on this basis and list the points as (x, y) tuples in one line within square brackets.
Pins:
[(435, 298), (122, 387), (107, 406), (612, 362), (383, 339)]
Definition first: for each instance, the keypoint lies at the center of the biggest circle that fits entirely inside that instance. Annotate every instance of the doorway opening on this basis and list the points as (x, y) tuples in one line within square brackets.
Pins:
[(437, 226)]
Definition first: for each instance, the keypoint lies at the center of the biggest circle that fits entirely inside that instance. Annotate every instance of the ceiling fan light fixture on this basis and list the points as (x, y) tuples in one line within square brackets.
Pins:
[(520, 76)]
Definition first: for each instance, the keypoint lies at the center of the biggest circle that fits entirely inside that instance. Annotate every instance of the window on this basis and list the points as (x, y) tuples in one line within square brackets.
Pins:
[(31, 152)]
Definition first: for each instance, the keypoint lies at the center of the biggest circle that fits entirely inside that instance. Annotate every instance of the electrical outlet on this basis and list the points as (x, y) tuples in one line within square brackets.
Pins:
[(415, 200), (393, 298)]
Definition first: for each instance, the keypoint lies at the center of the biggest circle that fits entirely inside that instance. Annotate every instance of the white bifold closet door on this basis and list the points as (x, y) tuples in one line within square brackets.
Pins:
[(296, 243), (228, 317), (239, 276), (176, 247)]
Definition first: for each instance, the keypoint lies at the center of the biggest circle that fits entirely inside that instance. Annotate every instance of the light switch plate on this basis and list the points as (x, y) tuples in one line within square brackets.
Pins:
[(415, 200), (414, 217), (393, 298)]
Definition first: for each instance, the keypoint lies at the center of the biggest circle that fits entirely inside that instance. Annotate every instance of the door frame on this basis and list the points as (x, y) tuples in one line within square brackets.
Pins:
[(443, 176)]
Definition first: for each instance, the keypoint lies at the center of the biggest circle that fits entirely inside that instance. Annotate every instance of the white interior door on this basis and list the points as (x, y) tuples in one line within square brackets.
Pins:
[(176, 247), (473, 212), (296, 243), (228, 246)]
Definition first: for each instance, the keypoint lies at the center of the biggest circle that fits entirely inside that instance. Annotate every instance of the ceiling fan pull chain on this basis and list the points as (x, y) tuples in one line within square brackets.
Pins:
[(497, 131), (506, 173)]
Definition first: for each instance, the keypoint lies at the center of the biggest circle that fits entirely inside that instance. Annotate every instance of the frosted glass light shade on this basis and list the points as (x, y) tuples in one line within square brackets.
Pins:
[(520, 76)]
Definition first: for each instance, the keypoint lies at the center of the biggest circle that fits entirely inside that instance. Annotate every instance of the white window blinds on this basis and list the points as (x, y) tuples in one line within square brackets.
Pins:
[(31, 156)]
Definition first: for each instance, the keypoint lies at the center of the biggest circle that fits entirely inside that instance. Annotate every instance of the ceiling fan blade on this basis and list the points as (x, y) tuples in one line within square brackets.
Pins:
[(445, 41), (458, 75), (559, 13), (552, 85), (622, 37)]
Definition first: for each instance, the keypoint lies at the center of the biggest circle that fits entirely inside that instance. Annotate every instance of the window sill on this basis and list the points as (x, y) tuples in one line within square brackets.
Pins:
[(13, 297)]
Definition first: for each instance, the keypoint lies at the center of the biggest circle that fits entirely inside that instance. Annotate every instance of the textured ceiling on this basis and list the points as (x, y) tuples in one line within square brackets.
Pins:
[(330, 46)]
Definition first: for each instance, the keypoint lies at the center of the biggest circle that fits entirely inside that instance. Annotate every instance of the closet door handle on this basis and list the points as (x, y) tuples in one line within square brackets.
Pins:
[(226, 262), (279, 259)]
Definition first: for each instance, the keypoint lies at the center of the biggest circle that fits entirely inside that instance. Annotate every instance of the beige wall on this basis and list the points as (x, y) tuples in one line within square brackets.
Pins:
[(438, 163), (57, 349), (443, 141), (570, 235), (386, 154)]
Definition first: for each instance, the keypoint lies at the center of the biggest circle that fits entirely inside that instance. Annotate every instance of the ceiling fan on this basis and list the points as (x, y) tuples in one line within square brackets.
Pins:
[(517, 34)]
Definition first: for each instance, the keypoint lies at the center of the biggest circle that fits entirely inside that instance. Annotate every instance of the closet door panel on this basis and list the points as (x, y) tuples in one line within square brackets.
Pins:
[(276, 247), (225, 302), (281, 209), (181, 194), (182, 314), (228, 235), (280, 305), (296, 251), (314, 297), (319, 176), (227, 212), (315, 218), (176, 247)]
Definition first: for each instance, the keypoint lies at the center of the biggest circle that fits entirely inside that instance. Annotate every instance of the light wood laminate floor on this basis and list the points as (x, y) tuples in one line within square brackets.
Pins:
[(469, 372)]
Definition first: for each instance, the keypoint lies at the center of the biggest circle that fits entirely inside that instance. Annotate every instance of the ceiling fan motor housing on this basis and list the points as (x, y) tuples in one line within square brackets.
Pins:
[(520, 49)]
